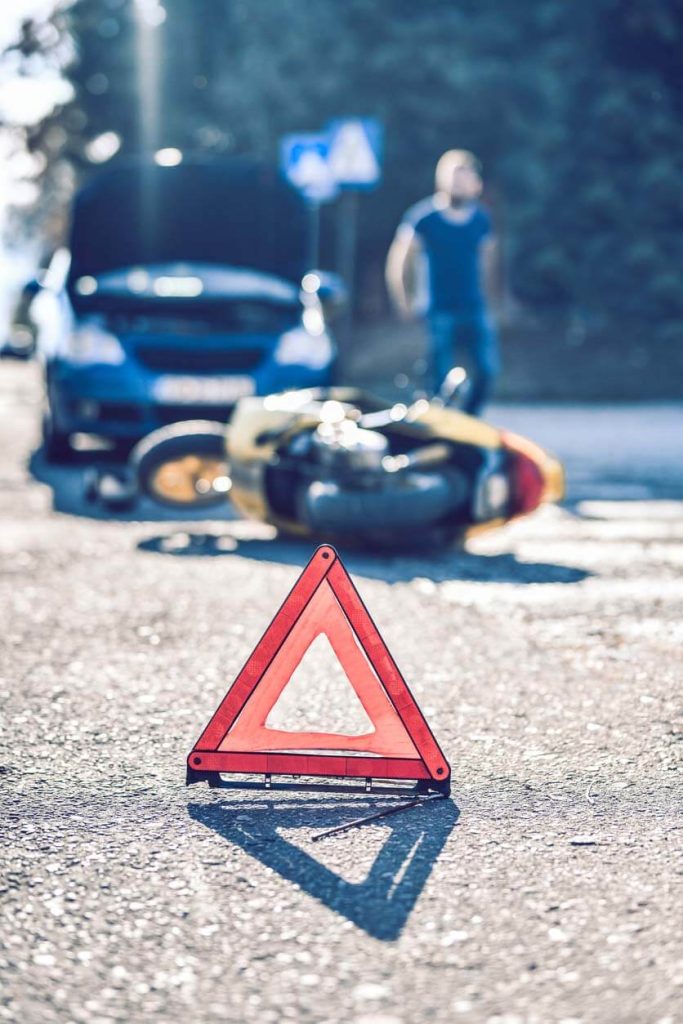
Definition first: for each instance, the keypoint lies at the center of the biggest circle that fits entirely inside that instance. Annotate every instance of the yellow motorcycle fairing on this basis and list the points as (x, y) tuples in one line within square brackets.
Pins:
[(260, 426)]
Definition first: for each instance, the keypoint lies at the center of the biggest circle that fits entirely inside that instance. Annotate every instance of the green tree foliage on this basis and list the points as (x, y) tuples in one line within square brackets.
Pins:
[(574, 109)]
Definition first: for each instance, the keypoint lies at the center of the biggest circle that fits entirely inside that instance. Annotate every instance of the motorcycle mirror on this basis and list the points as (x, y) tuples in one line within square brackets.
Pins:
[(330, 290), (454, 382)]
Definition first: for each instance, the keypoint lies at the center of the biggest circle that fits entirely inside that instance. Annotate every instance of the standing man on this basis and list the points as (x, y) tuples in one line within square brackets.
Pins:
[(449, 236)]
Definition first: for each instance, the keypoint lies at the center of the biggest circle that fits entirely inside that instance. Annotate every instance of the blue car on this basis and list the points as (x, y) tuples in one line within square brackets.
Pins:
[(184, 289)]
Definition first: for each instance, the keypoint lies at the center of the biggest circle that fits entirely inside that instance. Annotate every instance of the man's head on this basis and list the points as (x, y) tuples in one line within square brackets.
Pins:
[(458, 177)]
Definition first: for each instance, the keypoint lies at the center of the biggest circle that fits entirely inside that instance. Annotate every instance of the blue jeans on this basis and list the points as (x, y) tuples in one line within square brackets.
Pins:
[(476, 333)]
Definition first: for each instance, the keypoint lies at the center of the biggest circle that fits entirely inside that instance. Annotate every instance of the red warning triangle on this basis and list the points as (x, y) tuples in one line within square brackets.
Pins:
[(400, 745)]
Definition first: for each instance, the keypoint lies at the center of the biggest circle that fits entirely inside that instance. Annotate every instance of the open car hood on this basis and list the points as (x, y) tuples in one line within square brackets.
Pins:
[(232, 213)]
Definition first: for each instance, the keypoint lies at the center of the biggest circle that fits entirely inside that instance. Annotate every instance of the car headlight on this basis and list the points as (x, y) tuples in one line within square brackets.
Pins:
[(90, 343), (298, 347)]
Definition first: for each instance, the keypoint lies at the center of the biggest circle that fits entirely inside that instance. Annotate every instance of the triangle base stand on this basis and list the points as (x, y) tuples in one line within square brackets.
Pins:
[(366, 819), (379, 787)]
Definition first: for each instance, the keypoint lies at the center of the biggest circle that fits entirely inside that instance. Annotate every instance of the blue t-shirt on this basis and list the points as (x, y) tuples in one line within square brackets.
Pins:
[(452, 252)]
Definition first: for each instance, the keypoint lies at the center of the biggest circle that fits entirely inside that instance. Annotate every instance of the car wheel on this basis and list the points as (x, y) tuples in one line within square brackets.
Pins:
[(56, 444), (183, 465)]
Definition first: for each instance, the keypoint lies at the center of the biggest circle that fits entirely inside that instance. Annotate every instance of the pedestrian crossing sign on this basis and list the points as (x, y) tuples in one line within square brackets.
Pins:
[(304, 161), (355, 152)]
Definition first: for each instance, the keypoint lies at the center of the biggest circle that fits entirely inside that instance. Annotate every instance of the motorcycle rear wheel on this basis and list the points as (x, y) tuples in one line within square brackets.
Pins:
[(418, 501)]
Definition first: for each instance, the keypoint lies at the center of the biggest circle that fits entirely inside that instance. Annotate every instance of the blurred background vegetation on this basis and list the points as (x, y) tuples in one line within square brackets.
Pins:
[(574, 108)]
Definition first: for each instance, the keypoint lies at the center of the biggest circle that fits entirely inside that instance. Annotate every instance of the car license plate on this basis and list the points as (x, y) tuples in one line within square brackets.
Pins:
[(201, 390)]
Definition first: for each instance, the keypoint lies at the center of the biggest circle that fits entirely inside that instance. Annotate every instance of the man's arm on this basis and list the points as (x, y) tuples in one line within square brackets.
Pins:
[(402, 261)]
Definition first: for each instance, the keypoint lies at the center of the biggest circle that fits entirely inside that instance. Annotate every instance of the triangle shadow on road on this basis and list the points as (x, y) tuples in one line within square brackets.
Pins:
[(381, 903)]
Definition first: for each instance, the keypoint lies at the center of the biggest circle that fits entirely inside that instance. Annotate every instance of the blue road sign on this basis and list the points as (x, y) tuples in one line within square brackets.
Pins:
[(304, 161), (355, 152)]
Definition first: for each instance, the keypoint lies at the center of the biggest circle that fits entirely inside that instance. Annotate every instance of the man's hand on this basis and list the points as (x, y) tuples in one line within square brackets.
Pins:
[(490, 262)]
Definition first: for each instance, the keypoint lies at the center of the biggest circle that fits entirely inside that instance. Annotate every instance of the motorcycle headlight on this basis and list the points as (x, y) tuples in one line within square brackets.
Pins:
[(90, 343), (301, 348)]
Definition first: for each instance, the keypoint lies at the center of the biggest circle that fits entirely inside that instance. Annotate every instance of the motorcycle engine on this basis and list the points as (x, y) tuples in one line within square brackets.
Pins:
[(350, 452), (341, 479)]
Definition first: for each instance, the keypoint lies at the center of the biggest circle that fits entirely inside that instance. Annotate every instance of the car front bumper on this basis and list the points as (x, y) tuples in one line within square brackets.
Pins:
[(121, 403)]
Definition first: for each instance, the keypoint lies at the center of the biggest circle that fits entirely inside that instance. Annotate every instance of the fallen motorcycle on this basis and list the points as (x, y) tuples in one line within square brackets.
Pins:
[(338, 464)]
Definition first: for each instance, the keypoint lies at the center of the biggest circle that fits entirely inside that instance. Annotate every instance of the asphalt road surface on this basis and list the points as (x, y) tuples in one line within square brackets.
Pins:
[(548, 660)]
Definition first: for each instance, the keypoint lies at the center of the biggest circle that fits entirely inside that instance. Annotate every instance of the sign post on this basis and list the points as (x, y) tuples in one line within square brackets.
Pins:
[(304, 161), (354, 158), (346, 157)]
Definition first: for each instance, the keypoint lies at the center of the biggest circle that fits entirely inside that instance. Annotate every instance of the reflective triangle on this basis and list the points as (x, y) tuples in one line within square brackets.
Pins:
[(400, 745)]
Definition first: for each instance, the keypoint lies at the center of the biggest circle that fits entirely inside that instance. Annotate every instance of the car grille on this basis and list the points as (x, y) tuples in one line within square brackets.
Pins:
[(176, 413), (121, 412), (172, 359)]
